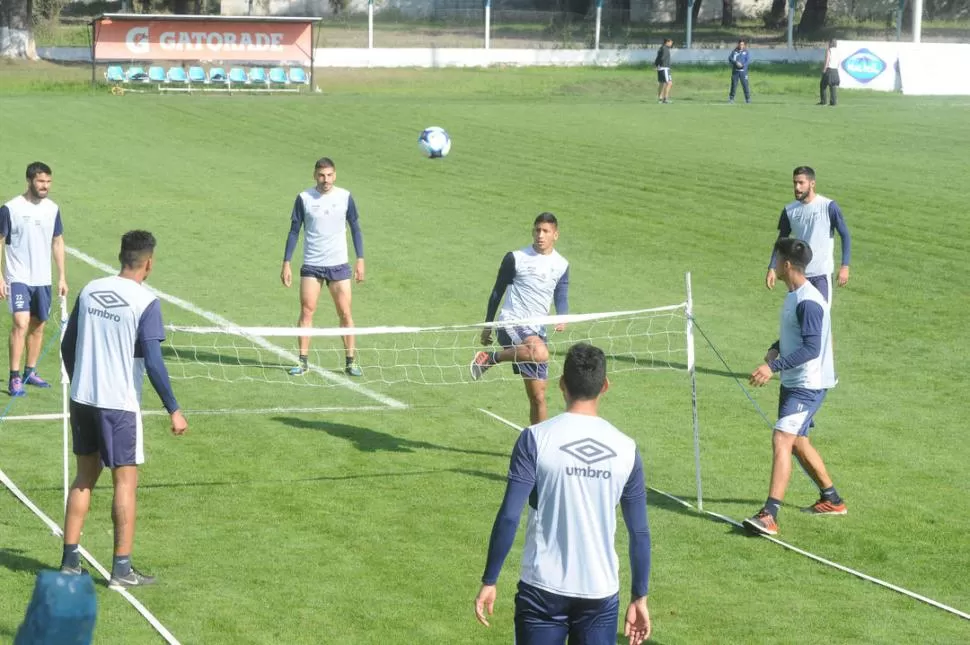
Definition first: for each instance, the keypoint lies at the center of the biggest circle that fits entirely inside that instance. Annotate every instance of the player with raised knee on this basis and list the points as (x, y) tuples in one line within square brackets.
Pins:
[(32, 232), (803, 354), (531, 279), (325, 212)]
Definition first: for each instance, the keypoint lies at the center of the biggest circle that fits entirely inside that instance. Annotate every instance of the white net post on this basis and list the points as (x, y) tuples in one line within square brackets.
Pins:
[(488, 23), (64, 403), (689, 332)]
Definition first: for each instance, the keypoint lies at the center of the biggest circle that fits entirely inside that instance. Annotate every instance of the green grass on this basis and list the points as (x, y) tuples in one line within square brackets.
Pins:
[(372, 526)]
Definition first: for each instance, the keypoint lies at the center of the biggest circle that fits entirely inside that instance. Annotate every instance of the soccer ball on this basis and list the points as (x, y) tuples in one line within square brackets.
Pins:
[(434, 142)]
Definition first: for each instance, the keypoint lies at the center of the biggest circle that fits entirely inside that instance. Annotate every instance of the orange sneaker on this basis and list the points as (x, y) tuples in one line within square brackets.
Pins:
[(825, 507), (763, 523), (483, 361)]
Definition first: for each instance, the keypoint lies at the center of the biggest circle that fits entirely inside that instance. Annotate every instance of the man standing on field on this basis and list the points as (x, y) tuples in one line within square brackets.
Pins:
[(662, 63), (815, 219), (325, 212), (33, 233), (803, 355)]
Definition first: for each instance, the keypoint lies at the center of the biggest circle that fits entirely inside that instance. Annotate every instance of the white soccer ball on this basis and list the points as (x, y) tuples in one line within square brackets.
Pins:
[(434, 142)]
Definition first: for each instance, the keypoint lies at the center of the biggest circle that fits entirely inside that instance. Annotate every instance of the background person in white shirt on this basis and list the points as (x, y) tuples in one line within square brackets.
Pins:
[(830, 75), (573, 470), (31, 227)]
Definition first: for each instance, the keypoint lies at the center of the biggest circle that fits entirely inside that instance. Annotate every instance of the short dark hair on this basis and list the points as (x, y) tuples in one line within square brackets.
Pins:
[(808, 171), (742, 40), (796, 251), (37, 168), (584, 372), (546, 218), (324, 162), (668, 40), (136, 247)]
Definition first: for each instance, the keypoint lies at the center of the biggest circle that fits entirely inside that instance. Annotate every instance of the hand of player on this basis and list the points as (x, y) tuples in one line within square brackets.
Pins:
[(487, 336), (771, 355), (62, 287), (485, 601), (179, 424), (286, 275), (760, 376), (560, 327), (359, 270), (770, 279), (4, 289), (637, 625), (843, 275)]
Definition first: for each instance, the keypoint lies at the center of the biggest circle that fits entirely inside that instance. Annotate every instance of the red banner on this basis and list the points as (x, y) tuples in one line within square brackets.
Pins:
[(211, 40)]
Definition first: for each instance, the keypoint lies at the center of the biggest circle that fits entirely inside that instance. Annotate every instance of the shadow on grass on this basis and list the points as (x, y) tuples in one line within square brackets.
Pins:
[(367, 440), (322, 478), (12, 560), (664, 503)]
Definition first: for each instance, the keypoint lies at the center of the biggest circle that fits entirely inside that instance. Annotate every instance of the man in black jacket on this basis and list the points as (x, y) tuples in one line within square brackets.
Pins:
[(662, 63)]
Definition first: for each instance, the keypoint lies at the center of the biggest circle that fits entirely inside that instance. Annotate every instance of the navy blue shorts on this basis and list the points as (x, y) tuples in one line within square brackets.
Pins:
[(796, 409), (545, 618), (823, 283), (33, 300), (115, 434), (327, 274), (663, 76), (512, 336)]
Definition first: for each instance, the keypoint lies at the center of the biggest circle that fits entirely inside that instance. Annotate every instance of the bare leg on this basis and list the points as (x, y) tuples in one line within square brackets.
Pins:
[(309, 294), (340, 292), (782, 444), (123, 507), (18, 336), (79, 497), (808, 456), (535, 389), (532, 350), (35, 341)]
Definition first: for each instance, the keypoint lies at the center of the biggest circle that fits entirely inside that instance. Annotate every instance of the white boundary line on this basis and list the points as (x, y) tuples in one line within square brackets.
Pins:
[(234, 411), (786, 545), (218, 320), (159, 627)]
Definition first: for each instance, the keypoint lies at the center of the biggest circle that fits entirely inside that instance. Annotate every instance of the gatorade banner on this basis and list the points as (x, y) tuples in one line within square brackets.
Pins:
[(148, 38)]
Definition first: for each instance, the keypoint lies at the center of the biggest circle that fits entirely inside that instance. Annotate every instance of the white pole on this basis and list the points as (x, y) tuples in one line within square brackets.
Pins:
[(791, 24), (488, 23), (64, 404), (690, 22), (370, 24), (693, 391), (599, 20), (917, 20)]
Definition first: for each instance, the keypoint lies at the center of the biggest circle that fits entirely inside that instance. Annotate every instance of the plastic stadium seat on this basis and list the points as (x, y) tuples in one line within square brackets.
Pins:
[(177, 75), (217, 75), (197, 75), (238, 75), (156, 74), (114, 74), (136, 74), (277, 76), (257, 76), (299, 76)]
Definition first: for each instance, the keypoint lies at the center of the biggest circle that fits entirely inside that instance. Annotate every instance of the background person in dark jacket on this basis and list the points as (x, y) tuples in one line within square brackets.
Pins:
[(739, 70), (662, 63), (830, 74)]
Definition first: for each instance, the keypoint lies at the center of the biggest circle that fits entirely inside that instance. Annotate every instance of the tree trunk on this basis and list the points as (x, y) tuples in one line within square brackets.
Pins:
[(16, 38), (777, 15), (813, 17), (727, 13), (681, 16)]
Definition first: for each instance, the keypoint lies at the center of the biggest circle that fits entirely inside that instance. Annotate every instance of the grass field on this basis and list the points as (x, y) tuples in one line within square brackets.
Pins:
[(372, 526)]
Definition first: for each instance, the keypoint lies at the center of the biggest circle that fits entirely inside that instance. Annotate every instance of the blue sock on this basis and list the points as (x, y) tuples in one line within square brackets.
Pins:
[(14, 374), (773, 506), (71, 556), (493, 357), (121, 566), (830, 495), (28, 371)]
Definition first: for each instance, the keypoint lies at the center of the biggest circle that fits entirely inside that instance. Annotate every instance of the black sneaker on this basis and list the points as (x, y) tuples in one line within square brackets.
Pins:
[(133, 579)]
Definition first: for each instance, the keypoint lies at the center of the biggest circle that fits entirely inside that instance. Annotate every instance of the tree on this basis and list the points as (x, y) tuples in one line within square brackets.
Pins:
[(681, 16), (16, 38), (727, 13), (813, 17), (776, 16)]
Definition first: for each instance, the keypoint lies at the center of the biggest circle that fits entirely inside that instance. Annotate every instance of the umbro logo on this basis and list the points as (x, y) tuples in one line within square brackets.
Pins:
[(108, 299), (588, 451)]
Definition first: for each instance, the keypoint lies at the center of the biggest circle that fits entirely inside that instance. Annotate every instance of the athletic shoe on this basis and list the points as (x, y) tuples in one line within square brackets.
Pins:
[(825, 507), (730, 100), (299, 370), (354, 370), (481, 363), (36, 380), (16, 387), (72, 571), (133, 579), (762, 523)]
